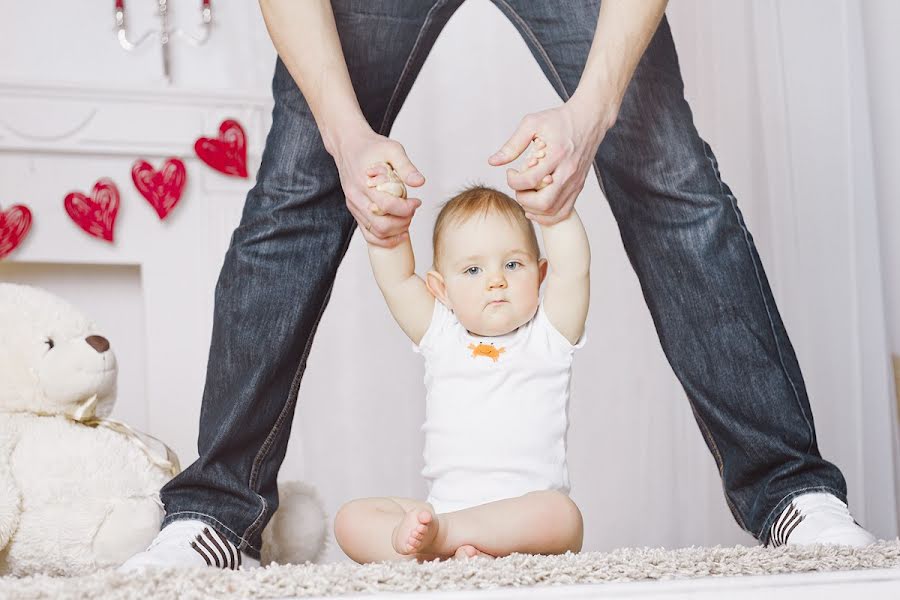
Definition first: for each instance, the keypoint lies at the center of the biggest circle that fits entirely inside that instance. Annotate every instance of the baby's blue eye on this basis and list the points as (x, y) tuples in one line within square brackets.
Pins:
[(473, 270), (513, 265)]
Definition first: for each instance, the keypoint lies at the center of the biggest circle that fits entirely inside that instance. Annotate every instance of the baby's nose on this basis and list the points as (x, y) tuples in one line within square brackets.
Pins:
[(98, 343)]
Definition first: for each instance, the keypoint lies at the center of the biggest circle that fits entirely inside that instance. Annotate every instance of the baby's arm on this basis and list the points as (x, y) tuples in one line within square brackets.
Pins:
[(568, 290), (405, 292)]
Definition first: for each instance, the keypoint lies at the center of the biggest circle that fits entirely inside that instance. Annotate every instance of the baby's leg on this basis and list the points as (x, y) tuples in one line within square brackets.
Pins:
[(545, 522), (377, 529)]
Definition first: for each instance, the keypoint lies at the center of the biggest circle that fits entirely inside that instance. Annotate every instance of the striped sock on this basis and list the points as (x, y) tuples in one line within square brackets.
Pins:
[(216, 549), (784, 525)]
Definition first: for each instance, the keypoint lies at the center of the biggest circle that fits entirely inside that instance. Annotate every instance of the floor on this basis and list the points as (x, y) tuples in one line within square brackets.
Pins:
[(875, 584)]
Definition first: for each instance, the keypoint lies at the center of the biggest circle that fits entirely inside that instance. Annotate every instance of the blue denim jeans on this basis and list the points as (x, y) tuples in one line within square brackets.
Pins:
[(680, 224)]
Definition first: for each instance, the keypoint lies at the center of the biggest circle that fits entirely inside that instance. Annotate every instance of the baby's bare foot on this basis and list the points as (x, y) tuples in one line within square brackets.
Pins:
[(415, 532), (467, 551)]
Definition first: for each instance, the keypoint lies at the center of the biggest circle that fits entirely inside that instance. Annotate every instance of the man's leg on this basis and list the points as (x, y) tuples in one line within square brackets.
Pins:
[(278, 274), (699, 271)]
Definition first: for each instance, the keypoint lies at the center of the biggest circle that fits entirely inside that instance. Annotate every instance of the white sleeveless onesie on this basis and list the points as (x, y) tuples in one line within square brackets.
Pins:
[(496, 412)]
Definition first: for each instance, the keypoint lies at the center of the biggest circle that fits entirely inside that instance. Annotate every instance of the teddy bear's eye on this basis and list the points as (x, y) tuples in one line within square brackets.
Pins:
[(49, 343)]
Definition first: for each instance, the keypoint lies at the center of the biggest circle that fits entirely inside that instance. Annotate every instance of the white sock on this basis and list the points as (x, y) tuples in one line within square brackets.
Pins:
[(818, 518), (190, 543)]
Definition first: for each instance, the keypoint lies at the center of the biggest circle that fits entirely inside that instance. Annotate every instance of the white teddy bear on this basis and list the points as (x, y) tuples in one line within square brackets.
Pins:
[(79, 491)]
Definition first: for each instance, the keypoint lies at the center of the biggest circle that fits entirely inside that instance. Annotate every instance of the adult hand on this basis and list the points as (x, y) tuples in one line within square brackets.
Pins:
[(382, 217), (566, 139)]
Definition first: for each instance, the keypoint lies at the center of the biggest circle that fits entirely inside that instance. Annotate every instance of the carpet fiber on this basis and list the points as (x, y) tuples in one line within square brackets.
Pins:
[(285, 581)]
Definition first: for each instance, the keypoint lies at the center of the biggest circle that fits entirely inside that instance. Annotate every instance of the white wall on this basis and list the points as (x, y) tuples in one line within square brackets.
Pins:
[(773, 93), (880, 19), (75, 42)]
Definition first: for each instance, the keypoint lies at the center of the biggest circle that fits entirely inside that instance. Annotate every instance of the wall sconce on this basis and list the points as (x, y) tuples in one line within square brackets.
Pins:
[(165, 33)]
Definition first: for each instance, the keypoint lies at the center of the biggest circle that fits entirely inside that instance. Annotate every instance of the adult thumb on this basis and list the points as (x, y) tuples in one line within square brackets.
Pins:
[(513, 147), (408, 173)]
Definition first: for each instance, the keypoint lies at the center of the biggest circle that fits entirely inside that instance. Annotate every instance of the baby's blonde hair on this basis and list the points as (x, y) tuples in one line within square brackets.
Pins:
[(480, 200)]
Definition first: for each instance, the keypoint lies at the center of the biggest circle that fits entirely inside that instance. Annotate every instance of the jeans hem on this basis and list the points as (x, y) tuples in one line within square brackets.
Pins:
[(242, 544), (763, 534)]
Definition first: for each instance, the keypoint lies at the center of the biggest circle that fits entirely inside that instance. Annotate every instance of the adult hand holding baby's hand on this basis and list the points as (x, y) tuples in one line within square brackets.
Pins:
[(565, 140), (383, 216)]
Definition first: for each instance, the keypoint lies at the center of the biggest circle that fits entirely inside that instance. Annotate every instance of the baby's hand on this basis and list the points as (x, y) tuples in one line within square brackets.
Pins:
[(384, 178), (533, 159)]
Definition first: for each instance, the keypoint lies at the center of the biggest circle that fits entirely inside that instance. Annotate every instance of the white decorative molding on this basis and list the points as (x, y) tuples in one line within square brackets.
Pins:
[(51, 137), (105, 121)]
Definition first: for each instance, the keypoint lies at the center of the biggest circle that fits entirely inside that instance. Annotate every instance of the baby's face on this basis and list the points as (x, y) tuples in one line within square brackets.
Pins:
[(491, 276)]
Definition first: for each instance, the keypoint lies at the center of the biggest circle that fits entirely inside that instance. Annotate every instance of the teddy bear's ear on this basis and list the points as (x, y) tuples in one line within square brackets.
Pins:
[(51, 363)]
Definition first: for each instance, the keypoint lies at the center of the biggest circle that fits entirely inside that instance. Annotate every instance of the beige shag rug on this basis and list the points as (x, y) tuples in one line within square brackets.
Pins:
[(286, 581)]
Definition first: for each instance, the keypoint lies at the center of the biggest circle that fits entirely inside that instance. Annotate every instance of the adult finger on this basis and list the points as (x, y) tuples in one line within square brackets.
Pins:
[(375, 233), (534, 178), (515, 145), (388, 226), (535, 202), (388, 204), (409, 174), (376, 169)]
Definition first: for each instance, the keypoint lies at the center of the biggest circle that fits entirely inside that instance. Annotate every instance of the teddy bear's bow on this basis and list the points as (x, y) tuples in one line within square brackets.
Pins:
[(85, 414)]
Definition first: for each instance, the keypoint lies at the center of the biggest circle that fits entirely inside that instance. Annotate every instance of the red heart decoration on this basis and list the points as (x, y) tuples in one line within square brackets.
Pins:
[(96, 214), (162, 188), (14, 224), (228, 152)]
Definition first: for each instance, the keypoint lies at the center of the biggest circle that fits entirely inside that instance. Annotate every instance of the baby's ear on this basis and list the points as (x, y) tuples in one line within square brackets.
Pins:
[(542, 270), (434, 281)]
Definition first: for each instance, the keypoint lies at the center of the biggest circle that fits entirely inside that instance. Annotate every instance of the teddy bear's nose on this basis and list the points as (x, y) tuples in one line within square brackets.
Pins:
[(97, 342)]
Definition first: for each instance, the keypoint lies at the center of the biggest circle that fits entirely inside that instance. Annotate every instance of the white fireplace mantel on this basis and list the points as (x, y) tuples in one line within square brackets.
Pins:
[(55, 139)]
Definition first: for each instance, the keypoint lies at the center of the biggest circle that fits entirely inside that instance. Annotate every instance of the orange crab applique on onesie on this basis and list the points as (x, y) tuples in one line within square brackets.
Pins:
[(486, 350)]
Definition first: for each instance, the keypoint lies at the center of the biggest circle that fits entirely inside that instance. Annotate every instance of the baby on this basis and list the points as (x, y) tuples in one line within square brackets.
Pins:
[(497, 372)]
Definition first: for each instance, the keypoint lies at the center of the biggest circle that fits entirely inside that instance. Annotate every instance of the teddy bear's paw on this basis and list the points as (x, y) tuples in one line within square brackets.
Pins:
[(298, 531), (129, 527)]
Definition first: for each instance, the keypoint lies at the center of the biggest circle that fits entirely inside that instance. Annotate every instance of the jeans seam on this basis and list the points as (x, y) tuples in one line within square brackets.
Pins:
[(733, 203), (767, 524), (546, 57), (705, 431), (292, 398), (416, 49), (527, 30), (216, 522)]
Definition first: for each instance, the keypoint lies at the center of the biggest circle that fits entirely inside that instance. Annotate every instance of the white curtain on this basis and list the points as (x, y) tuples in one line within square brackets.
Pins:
[(780, 92)]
